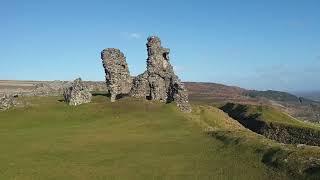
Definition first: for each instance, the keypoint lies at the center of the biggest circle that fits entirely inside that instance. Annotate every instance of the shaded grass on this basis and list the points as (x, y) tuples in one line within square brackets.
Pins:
[(267, 114), (128, 139), (299, 163)]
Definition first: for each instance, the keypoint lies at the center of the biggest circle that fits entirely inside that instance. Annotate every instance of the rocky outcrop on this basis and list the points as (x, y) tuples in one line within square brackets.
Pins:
[(7, 102), (118, 77), (159, 81), (78, 93)]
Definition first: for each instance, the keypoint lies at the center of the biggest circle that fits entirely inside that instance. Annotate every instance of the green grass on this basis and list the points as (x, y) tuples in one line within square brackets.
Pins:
[(300, 163), (128, 139), (272, 115)]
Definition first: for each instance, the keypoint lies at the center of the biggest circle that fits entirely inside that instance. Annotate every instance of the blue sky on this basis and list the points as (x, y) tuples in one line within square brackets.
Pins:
[(256, 44)]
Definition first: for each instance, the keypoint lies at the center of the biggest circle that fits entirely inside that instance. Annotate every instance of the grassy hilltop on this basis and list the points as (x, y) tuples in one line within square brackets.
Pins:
[(129, 139), (136, 139)]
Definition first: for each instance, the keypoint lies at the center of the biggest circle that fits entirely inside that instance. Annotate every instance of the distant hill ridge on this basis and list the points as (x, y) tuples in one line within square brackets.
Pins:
[(213, 93), (299, 107), (314, 95), (229, 91)]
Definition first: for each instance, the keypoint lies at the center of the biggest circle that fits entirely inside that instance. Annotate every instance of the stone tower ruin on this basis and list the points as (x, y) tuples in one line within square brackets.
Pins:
[(158, 82), (118, 77)]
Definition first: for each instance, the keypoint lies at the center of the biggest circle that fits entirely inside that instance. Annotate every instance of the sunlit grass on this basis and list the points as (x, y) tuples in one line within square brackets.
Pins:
[(129, 139)]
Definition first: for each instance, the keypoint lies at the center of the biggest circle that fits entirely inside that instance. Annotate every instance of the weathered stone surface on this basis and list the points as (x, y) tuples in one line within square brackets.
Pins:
[(43, 89), (160, 71), (78, 93), (180, 95), (7, 102), (118, 77), (159, 81), (140, 86)]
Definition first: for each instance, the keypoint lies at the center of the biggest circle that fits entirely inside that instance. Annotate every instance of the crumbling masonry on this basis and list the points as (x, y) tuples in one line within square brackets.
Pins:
[(78, 93), (118, 77), (158, 82)]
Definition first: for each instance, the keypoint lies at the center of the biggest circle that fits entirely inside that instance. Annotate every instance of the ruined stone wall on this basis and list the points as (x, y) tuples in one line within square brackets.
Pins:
[(78, 93), (158, 82), (140, 86), (117, 73), (164, 84), (7, 101), (160, 71)]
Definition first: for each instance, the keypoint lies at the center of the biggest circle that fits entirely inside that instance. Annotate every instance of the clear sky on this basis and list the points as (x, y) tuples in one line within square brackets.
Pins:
[(256, 44)]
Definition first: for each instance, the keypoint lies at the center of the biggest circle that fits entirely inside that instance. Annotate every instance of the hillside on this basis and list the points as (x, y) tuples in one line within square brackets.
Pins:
[(272, 95), (209, 92), (274, 124), (200, 93), (138, 139), (129, 139), (314, 95), (299, 107)]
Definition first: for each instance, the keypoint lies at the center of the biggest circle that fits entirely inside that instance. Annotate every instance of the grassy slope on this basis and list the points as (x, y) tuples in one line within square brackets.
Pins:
[(128, 139), (301, 163), (275, 115), (270, 114)]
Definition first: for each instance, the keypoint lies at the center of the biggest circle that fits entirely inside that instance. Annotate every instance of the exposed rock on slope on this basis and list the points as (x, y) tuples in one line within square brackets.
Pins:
[(77, 94), (118, 77)]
